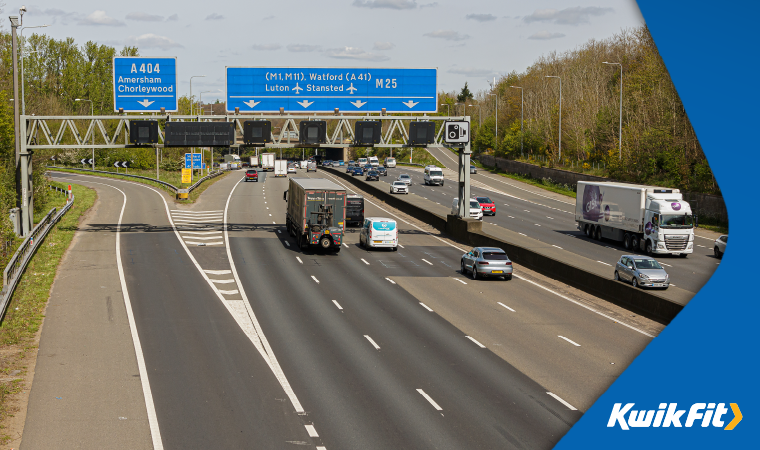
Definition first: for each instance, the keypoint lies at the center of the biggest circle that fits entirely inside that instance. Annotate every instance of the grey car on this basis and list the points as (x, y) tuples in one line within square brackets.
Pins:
[(487, 262), (405, 178), (641, 271), (720, 246)]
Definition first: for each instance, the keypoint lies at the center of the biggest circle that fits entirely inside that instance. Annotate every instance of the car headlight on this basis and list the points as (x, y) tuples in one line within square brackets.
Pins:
[(642, 276)]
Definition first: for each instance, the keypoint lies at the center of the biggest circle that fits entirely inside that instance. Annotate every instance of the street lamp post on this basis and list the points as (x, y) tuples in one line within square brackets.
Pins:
[(23, 99), (560, 113), (191, 91), (448, 108), (92, 113), (521, 119), (464, 108), (620, 138), (496, 132)]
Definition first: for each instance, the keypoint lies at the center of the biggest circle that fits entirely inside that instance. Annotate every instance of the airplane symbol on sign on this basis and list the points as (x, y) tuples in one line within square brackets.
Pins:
[(298, 89), (352, 88)]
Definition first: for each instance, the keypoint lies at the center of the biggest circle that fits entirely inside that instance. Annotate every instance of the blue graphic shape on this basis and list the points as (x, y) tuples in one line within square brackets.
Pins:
[(144, 84)]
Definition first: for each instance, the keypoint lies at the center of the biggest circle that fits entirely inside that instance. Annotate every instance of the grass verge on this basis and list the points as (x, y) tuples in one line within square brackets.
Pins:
[(19, 330)]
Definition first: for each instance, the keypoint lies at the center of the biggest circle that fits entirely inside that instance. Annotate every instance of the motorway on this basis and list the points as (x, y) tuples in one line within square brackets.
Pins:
[(549, 218), (249, 342)]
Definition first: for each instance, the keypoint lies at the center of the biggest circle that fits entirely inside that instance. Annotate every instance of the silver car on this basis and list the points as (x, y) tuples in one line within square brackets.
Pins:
[(720, 246), (405, 178), (487, 262), (473, 169), (641, 271), (399, 187)]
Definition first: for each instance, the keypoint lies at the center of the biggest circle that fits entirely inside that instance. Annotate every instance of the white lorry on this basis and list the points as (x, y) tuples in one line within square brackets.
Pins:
[(281, 168), (254, 161), (654, 219), (374, 161), (267, 161)]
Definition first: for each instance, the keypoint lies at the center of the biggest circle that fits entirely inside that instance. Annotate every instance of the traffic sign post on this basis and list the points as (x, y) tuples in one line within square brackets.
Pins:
[(363, 90), (144, 84)]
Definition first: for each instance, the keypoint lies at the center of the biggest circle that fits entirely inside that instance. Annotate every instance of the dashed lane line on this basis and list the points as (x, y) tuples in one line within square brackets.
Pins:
[(569, 406), (338, 305), (315, 279), (502, 304), (568, 340), (374, 344), (426, 307), (475, 341), (432, 402), (427, 261)]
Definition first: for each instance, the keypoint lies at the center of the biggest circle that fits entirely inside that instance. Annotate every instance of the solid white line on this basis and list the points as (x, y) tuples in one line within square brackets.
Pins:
[(523, 234), (218, 272), (432, 402), (186, 221), (231, 292), (557, 247), (197, 215), (511, 217), (202, 238), (346, 245), (536, 224), (502, 304), (475, 341), (568, 340), (222, 281), (562, 401), (400, 245), (604, 263), (427, 261), (204, 243), (461, 281), (201, 232), (665, 264), (315, 279), (186, 211), (390, 280), (426, 307), (336, 304), (311, 430), (365, 261), (299, 259), (287, 243), (377, 347)]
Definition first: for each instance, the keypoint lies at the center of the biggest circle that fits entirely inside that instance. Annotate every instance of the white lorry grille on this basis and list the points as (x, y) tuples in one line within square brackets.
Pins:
[(676, 242)]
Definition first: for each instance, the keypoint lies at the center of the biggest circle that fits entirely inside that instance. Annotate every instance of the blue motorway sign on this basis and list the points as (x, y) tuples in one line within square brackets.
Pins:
[(362, 90), (194, 161), (144, 84)]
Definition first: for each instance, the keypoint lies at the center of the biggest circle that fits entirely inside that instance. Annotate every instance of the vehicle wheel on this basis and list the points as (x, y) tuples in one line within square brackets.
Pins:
[(649, 248), (463, 271), (617, 276), (717, 252), (336, 249), (587, 229), (627, 241), (474, 272), (508, 277), (325, 242), (634, 243), (684, 255), (302, 243), (635, 282), (395, 249), (598, 233)]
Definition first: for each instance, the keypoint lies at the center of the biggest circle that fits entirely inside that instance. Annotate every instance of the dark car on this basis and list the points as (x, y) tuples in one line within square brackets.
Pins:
[(354, 209), (251, 175), (382, 170), (373, 174), (356, 171)]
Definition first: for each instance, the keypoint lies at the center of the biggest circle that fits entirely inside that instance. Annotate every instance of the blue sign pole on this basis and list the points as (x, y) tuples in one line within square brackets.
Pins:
[(361, 90), (145, 84)]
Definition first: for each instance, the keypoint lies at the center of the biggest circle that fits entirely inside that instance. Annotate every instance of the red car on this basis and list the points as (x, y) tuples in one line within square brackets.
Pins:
[(489, 207), (251, 175)]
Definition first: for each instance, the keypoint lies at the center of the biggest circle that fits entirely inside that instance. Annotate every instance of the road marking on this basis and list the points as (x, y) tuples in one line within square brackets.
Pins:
[(279, 232), (557, 247), (186, 211), (311, 430), (666, 264), (475, 341), (400, 245), (222, 281), (502, 304), (315, 279), (426, 307), (202, 238), (377, 347), (607, 246), (568, 340), (562, 401), (550, 217), (267, 207), (526, 210), (218, 272), (427, 261), (204, 243), (536, 224), (336, 304), (510, 217), (201, 232), (461, 281), (270, 215), (274, 222), (299, 259), (365, 261), (232, 292), (523, 234), (346, 245), (602, 262), (701, 246), (505, 204), (432, 402), (390, 280), (287, 243)]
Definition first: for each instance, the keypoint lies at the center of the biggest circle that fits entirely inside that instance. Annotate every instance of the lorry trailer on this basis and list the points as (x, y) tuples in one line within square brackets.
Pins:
[(267, 161), (316, 212)]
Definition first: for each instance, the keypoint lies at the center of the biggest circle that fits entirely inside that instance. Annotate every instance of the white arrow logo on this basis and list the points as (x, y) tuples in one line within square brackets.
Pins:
[(298, 89), (116, 164), (352, 88), (358, 103), (146, 103), (305, 103), (411, 104), (252, 103)]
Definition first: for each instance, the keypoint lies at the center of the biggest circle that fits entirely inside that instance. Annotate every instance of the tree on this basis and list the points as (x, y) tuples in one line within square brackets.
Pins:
[(464, 94)]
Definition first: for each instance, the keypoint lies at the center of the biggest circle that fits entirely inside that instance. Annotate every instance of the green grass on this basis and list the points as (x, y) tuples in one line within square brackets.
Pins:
[(26, 308), (716, 228)]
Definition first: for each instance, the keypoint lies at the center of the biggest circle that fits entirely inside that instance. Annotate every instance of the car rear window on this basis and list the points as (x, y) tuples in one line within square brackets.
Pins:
[(494, 256), (251, 172), (483, 200)]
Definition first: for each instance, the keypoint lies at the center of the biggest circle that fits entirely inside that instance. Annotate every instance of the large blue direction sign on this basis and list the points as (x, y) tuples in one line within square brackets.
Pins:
[(144, 84), (362, 90), (194, 161)]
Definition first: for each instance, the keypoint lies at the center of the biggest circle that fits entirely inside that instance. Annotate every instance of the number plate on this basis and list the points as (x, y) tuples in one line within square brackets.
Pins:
[(658, 285), (497, 271), (377, 242), (676, 254)]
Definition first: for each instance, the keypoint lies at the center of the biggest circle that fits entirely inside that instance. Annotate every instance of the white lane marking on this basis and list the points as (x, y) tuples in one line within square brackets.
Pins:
[(606, 264), (315, 279), (502, 304), (274, 222), (536, 224), (461, 281), (201, 232), (186, 221), (222, 281), (377, 347), (568, 340), (346, 245), (319, 447), (287, 243), (270, 215), (205, 243), (311, 430), (701, 246), (432, 402), (426, 307), (511, 217), (550, 217), (299, 259), (279, 232), (562, 401), (557, 247), (186, 211), (202, 238), (607, 246), (427, 261), (475, 341), (365, 261), (267, 207), (526, 210), (666, 264), (523, 234), (400, 245), (218, 272), (230, 292), (390, 280), (336, 304), (197, 214)]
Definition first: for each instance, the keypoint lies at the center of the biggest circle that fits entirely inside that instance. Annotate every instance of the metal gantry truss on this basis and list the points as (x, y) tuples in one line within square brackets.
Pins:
[(63, 132)]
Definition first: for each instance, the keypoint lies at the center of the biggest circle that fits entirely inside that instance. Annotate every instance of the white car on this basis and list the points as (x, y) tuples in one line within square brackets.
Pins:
[(399, 187), (476, 212), (720, 246), (291, 169), (405, 178)]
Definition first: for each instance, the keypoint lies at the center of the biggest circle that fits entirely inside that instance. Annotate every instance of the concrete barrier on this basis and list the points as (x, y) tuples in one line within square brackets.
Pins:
[(469, 231)]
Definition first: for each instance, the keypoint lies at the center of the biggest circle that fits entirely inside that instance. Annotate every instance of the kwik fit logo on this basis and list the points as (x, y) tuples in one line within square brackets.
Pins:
[(668, 415)]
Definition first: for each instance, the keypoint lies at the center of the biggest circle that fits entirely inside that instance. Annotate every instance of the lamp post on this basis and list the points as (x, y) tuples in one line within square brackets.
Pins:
[(496, 132), (521, 119), (560, 113), (191, 91), (23, 99), (464, 108), (448, 108), (620, 138), (92, 113)]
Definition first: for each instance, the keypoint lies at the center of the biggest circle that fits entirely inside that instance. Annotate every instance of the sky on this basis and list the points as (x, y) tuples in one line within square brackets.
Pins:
[(468, 41)]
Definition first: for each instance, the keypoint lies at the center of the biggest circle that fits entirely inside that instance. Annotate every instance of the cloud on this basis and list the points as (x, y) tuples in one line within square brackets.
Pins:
[(172, 18), (429, 5), (471, 71), (268, 18), (214, 16), (545, 35), (568, 16), (101, 18), (383, 46), (151, 40), (266, 47), (303, 48), (449, 35), (481, 17), (354, 53), (386, 4), (144, 17)]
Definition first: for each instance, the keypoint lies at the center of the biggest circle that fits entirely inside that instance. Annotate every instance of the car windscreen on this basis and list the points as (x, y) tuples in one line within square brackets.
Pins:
[(436, 173), (483, 199), (494, 256), (647, 264), (475, 205), (399, 183), (404, 176)]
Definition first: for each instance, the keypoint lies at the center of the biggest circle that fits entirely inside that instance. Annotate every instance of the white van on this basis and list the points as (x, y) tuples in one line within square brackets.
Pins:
[(378, 232), (374, 161), (433, 175), (390, 163), (362, 162), (476, 212)]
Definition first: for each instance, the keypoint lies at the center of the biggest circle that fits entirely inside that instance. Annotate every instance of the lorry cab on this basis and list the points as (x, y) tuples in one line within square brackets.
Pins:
[(668, 225), (379, 232)]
